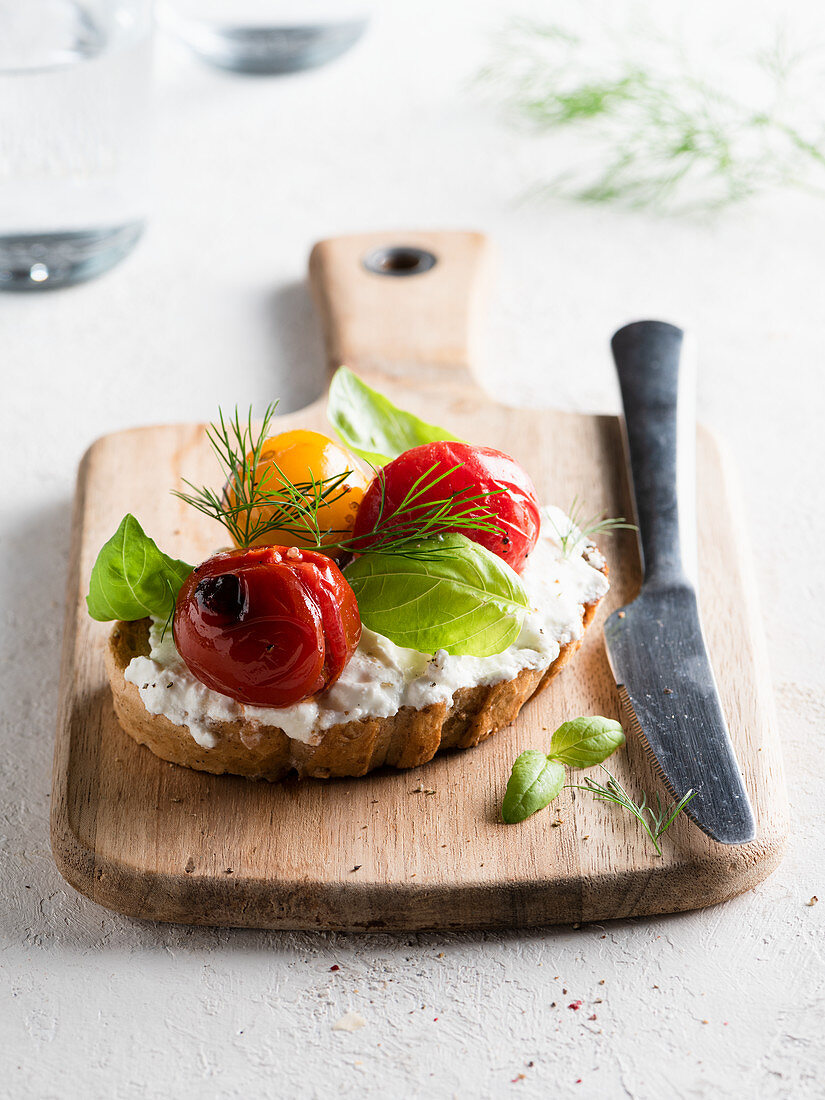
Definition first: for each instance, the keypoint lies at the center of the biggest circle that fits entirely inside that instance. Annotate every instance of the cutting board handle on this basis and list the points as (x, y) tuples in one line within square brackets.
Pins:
[(402, 305)]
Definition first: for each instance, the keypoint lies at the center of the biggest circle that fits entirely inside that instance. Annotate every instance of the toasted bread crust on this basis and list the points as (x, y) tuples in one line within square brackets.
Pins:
[(404, 740)]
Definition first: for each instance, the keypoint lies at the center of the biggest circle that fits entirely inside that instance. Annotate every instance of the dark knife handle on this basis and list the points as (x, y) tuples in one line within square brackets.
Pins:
[(660, 434)]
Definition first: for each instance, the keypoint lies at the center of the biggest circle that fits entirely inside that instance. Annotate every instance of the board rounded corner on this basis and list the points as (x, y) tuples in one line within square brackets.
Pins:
[(113, 885), (716, 876)]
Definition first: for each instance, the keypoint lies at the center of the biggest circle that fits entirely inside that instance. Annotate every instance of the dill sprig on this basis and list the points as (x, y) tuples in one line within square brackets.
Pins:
[(416, 518), (657, 127), (581, 528), (654, 820), (249, 487), (258, 498)]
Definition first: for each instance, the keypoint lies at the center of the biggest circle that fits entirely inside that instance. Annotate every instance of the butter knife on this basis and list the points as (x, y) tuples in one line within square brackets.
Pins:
[(655, 645)]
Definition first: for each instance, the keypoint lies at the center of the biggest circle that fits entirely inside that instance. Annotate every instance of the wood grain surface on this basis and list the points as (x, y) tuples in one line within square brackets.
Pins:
[(421, 848)]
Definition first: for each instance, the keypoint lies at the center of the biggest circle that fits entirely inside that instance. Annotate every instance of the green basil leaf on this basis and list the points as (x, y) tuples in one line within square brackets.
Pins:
[(446, 593), (533, 784), (586, 741), (371, 425), (132, 578)]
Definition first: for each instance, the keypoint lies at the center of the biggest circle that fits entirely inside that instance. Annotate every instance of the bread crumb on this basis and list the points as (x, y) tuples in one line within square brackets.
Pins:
[(350, 1021)]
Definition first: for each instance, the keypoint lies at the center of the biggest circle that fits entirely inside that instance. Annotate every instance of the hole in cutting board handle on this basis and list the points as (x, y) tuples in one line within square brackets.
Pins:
[(399, 260)]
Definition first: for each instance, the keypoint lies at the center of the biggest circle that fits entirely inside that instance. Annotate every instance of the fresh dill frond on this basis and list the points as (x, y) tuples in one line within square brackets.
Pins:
[(255, 500), (582, 529), (258, 498), (654, 820), (657, 123), (416, 518)]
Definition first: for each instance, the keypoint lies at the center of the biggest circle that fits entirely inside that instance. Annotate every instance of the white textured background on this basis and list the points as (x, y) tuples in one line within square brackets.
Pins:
[(211, 308)]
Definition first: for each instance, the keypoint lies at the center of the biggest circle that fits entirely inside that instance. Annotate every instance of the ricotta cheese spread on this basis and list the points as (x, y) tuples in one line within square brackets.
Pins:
[(382, 677)]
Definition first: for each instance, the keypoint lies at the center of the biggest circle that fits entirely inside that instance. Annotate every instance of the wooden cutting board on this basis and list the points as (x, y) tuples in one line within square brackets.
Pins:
[(422, 848)]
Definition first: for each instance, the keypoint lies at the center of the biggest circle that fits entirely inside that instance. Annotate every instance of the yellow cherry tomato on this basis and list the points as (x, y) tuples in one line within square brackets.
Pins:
[(302, 456)]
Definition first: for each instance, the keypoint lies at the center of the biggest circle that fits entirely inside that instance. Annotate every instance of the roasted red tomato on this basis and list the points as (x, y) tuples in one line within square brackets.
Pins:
[(269, 626), (507, 494)]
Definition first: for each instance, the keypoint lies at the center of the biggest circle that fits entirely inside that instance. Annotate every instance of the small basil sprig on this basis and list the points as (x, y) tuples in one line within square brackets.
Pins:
[(447, 593), (132, 578), (371, 425), (537, 777)]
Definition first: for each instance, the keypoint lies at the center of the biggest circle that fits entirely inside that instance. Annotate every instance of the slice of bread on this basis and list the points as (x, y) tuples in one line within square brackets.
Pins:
[(405, 740)]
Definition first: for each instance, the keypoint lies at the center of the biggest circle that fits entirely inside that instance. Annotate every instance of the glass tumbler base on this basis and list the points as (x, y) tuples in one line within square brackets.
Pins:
[(268, 51), (44, 261)]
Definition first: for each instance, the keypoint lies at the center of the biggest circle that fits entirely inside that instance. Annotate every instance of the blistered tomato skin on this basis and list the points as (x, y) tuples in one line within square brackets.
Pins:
[(506, 492), (270, 626), (300, 456)]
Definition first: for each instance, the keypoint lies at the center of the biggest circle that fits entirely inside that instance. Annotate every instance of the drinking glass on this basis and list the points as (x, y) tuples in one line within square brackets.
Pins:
[(74, 106), (267, 36)]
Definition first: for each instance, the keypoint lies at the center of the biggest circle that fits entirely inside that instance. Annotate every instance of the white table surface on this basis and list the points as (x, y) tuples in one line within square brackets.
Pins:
[(212, 308)]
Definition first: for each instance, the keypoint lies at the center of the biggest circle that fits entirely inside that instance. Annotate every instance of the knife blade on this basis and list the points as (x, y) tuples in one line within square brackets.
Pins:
[(655, 644)]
